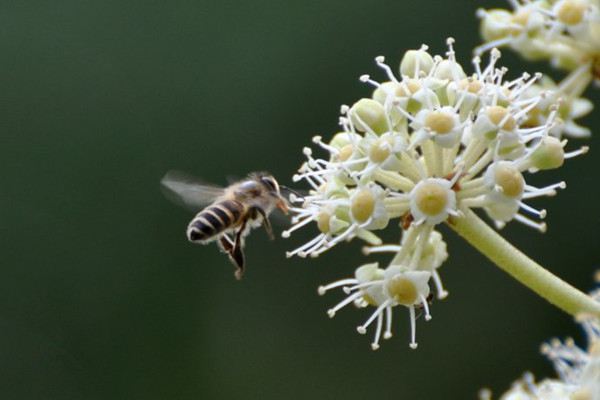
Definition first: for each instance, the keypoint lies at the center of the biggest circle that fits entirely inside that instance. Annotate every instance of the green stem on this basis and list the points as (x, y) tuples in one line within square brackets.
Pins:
[(485, 239)]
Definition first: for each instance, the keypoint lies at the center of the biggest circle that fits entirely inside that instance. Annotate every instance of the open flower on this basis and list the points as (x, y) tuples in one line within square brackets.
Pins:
[(384, 289)]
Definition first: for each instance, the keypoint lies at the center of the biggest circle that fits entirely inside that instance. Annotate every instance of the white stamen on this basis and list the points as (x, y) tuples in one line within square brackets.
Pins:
[(425, 307), (375, 344), (413, 334), (323, 289), (388, 323), (331, 312)]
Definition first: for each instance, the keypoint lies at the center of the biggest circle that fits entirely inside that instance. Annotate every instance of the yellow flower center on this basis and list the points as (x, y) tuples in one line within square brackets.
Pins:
[(345, 152), (510, 180), (380, 150), (498, 114), (402, 290), (439, 122), (431, 198), (363, 204), (408, 88), (571, 12)]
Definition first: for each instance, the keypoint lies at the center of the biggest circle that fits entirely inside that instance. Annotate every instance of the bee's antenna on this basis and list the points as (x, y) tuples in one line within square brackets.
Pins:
[(291, 191)]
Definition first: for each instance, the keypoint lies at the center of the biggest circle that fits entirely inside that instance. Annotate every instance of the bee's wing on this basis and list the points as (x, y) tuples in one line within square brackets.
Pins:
[(188, 191)]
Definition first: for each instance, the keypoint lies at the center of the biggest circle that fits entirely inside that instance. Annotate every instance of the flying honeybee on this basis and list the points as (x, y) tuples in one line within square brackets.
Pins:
[(229, 213)]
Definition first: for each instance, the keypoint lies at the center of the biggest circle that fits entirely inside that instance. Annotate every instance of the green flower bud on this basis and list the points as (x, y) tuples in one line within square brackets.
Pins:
[(549, 155), (416, 62), (368, 115)]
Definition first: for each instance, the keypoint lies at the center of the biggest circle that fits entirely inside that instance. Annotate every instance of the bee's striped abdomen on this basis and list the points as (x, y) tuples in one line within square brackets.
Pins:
[(214, 219)]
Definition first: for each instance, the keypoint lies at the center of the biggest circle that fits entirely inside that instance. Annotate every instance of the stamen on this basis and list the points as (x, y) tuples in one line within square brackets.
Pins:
[(380, 60), (540, 226), (286, 234), (390, 248), (575, 153), (539, 213), (319, 140), (362, 329), (298, 250), (375, 344), (323, 289), (388, 323), (322, 245), (362, 285), (413, 343), (331, 312), (441, 292), (425, 307), (532, 191)]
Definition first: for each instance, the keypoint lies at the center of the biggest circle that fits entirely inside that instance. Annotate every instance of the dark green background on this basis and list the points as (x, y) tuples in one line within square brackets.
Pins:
[(102, 297)]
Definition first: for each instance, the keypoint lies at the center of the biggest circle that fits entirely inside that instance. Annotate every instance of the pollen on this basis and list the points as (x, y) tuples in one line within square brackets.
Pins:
[(498, 115), (403, 290), (571, 12), (439, 122), (362, 205), (431, 198), (510, 180)]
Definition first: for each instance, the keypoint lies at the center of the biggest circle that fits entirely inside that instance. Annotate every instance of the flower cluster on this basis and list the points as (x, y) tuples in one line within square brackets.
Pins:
[(565, 32), (578, 369), (429, 144)]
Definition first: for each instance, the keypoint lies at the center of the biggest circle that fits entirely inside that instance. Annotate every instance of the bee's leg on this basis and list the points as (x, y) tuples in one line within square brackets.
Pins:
[(225, 243), (237, 253), (266, 223)]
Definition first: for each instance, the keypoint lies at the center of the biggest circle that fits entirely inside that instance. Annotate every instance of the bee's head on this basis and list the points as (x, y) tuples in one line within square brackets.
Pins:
[(270, 184)]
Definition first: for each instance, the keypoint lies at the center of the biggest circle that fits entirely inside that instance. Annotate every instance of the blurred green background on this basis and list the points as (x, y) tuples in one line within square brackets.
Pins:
[(101, 295)]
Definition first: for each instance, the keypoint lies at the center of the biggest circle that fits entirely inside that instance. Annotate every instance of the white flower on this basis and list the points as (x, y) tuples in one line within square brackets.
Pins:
[(432, 200), (384, 289), (341, 214)]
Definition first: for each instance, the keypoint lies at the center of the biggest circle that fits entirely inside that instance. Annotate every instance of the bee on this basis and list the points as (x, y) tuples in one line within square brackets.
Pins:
[(229, 213)]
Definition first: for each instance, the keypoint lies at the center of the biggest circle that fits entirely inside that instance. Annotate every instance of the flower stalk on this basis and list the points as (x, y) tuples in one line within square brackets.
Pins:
[(519, 266)]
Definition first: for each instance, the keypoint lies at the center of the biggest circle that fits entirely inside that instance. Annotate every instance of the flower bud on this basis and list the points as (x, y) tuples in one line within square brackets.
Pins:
[(449, 70), (549, 154), (368, 115), (495, 24), (416, 62)]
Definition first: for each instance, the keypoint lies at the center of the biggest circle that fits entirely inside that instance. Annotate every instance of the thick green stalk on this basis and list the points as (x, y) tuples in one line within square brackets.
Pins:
[(485, 239)]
